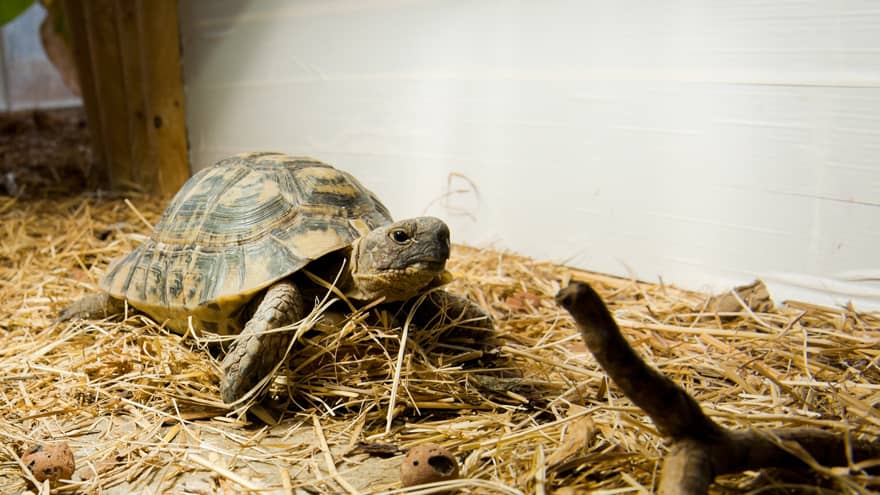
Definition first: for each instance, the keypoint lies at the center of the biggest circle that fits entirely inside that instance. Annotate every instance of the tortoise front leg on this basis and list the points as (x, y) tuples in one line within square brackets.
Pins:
[(257, 350), (442, 308)]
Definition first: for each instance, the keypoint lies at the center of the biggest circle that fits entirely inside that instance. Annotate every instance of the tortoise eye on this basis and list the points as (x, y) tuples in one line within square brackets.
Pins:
[(400, 236)]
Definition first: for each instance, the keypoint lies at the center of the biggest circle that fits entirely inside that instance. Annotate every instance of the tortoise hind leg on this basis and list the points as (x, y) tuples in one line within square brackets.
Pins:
[(91, 307), (257, 350)]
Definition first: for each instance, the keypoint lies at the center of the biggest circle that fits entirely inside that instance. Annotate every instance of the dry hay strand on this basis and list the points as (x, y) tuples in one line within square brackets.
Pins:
[(526, 411)]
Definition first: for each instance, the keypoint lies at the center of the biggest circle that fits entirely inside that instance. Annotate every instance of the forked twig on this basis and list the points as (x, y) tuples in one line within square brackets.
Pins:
[(701, 448)]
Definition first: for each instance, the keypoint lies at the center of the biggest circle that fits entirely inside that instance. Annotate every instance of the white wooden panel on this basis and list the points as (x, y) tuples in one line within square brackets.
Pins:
[(704, 142)]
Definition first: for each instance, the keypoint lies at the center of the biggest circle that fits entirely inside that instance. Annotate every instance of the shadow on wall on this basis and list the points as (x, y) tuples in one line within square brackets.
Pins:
[(188, 13)]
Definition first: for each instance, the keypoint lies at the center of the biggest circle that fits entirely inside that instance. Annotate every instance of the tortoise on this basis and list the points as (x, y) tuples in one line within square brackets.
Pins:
[(232, 250)]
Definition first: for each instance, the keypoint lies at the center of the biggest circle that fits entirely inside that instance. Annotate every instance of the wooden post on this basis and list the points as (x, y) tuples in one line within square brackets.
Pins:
[(128, 58)]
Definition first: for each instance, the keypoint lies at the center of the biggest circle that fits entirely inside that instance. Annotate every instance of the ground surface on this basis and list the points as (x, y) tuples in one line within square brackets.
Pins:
[(526, 410)]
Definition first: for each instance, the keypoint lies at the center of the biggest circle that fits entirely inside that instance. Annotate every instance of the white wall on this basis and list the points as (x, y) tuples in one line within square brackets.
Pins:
[(704, 142)]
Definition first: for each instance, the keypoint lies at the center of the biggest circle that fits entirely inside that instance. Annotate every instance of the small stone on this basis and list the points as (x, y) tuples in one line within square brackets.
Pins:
[(426, 464), (51, 462)]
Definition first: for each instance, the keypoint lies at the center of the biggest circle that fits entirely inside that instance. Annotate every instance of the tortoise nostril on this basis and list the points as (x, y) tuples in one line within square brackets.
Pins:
[(443, 238)]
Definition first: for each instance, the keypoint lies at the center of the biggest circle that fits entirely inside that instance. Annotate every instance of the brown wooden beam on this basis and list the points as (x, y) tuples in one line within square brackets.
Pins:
[(128, 58)]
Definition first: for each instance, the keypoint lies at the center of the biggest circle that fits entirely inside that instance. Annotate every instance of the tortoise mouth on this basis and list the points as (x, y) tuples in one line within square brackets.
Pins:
[(429, 264)]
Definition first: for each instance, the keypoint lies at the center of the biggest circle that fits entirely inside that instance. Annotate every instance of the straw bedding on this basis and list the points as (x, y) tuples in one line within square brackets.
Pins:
[(526, 410)]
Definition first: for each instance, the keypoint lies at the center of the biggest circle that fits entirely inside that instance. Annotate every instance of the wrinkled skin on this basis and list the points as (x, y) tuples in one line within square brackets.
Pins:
[(397, 261)]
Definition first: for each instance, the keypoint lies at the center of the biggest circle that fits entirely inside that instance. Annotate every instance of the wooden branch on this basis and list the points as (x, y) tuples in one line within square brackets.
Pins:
[(701, 448)]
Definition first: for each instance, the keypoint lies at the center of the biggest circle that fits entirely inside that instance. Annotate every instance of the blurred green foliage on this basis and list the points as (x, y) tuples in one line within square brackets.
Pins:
[(9, 9)]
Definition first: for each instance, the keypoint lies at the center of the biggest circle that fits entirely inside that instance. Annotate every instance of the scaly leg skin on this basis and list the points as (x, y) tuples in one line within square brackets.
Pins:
[(257, 350), (93, 307), (456, 320), (441, 308)]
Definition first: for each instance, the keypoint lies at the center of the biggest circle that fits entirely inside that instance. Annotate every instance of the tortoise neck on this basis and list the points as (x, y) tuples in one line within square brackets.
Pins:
[(348, 278), (333, 268)]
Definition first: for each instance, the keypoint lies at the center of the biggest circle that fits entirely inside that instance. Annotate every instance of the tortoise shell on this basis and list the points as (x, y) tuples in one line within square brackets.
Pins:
[(236, 228)]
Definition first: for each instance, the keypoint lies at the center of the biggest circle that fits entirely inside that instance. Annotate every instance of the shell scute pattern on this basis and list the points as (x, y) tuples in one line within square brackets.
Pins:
[(237, 227)]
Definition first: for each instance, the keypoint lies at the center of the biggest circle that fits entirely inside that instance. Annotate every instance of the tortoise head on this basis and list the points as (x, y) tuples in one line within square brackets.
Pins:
[(398, 260)]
